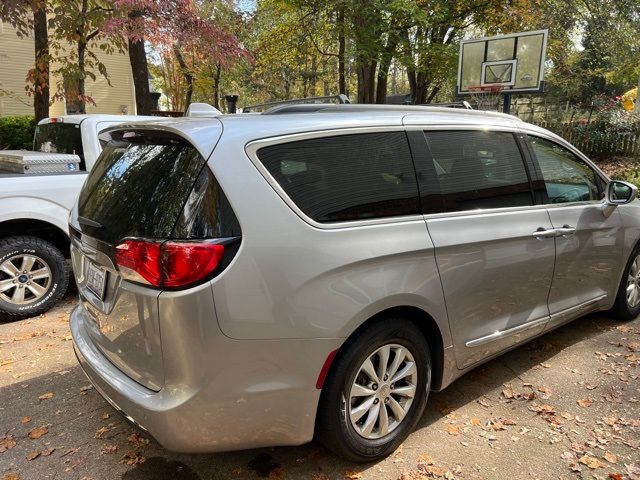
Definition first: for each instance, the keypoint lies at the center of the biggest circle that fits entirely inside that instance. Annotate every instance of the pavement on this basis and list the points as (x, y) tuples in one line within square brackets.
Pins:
[(566, 406)]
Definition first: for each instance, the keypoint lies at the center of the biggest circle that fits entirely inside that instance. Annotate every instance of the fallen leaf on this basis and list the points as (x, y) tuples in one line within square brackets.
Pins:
[(46, 396), (615, 476), (476, 422), (585, 402), (105, 416), (109, 449), (7, 442), (100, 432), (36, 433), (133, 458), (426, 459), (432, 470), (591, 462), (610, 457), (546, 392), (11, 476), (47, 451), (453, 430), (352, 474), (26, 420), (33, 455)]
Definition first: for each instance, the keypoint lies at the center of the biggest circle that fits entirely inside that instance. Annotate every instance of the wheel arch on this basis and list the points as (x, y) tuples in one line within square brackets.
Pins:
[(423, 321), (36, 228)]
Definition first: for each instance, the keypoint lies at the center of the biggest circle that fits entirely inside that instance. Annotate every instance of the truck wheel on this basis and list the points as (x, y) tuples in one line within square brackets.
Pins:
[(33, 277)]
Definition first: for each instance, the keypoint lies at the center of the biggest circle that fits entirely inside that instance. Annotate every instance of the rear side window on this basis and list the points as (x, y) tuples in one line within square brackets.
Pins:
[(346, 177), (478, 170), (139, 186)]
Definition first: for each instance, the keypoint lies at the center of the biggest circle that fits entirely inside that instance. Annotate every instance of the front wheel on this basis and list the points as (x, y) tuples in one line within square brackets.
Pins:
[(627, 305), (33, 277), (377, 391)]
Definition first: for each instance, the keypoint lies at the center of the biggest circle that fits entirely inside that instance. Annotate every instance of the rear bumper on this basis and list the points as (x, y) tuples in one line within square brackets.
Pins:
[(249, 394)]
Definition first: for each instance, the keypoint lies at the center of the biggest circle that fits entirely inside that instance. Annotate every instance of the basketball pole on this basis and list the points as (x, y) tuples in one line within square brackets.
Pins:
[(506, 105)]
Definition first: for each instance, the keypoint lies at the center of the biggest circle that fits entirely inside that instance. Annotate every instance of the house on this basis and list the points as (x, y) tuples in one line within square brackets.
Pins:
[(17, 57)]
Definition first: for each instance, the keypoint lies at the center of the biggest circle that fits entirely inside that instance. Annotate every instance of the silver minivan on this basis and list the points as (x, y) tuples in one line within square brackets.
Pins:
[(260, 279)]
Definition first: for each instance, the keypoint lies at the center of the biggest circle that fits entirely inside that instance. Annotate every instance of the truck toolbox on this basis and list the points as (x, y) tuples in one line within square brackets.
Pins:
[(28, 162)]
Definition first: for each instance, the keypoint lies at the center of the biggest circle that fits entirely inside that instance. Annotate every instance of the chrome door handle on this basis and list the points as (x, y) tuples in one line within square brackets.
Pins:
[(541, 233), (565, 231)]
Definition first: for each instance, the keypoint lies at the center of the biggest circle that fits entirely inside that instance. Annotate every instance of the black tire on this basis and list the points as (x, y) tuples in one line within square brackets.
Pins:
[(56, 286), (621, 309), (333, 424)]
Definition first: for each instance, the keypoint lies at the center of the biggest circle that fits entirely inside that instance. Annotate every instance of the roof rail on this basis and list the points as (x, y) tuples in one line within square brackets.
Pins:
[(324, 100)]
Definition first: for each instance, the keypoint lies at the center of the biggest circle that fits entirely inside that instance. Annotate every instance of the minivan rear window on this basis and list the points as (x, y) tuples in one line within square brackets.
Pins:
[(346, 177), (139, 186)]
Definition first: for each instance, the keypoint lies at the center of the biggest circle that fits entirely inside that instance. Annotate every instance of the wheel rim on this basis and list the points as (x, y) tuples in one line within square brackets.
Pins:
[(24, 279), (633, 283), (383, 391)]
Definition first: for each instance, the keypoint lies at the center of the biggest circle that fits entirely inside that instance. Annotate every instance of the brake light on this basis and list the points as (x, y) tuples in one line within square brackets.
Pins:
[(167, 264)]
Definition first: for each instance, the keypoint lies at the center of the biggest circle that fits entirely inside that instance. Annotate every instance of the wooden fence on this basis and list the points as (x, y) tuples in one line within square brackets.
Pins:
[(597, 139)]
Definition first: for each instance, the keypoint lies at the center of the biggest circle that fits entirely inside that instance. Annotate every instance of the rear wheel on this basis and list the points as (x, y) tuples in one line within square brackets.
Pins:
[(627, 305), (377, 391), (33, 277)]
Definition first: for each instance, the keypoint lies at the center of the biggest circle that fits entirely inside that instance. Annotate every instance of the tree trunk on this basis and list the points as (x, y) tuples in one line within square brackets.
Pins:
[(140, 73), (342, 80), (383, 68), (187, 75), (216, 85), (79, 93), (41, 79)]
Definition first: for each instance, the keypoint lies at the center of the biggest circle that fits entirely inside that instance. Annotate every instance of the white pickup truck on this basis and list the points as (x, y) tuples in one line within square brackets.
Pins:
[(34, 209)]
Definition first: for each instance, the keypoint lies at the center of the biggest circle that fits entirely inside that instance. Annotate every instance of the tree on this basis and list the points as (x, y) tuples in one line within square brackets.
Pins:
[(78, 32), (185, 29), (30, 16)]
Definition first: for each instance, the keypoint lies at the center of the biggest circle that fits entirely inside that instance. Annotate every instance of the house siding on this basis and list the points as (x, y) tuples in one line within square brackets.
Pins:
[(16, 58)]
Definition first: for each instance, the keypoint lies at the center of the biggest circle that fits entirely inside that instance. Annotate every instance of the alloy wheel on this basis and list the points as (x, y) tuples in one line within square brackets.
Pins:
[(383, 391), (24, 279)]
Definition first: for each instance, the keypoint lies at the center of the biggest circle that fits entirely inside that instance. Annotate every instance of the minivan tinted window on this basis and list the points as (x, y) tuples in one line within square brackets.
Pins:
[(479, 169), (346, 177), (138, 186)]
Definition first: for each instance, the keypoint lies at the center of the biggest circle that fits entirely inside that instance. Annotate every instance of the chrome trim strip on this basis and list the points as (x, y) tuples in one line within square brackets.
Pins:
[(577, 309), (525, 326), (505, 333)]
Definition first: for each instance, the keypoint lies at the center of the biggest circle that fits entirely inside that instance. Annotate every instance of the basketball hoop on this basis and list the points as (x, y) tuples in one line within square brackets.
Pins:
[(486, 97)]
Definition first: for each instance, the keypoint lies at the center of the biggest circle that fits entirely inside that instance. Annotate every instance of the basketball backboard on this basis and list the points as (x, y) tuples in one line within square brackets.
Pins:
[(515, 62)]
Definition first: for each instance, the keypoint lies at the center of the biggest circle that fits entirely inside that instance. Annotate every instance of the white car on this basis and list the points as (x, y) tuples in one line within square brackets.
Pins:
[(34, 209)]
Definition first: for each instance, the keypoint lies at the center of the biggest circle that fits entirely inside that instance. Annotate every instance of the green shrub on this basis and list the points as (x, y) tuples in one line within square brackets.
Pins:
[(16, 132), (631, 175)]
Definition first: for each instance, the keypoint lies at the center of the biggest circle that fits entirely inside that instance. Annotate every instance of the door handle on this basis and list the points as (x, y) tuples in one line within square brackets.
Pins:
[(541, 233), (566, 231)]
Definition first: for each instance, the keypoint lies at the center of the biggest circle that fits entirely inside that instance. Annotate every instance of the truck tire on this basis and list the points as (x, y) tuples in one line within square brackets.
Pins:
[(33, 277)]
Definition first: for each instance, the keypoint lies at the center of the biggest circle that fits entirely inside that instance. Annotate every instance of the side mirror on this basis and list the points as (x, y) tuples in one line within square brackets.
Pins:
[(620, 193)]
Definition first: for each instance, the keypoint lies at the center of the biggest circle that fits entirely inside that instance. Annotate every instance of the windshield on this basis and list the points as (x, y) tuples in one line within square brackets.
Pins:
[(59, 138)]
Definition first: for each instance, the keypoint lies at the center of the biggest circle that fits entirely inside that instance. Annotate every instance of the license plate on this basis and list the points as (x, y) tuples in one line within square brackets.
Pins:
[(96, 280)]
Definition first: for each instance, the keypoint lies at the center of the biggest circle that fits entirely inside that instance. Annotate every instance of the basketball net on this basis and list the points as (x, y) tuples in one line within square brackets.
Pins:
[(486, 97)]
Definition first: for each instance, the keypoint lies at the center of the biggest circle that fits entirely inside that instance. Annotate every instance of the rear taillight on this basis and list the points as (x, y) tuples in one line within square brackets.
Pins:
[(169, 264)]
